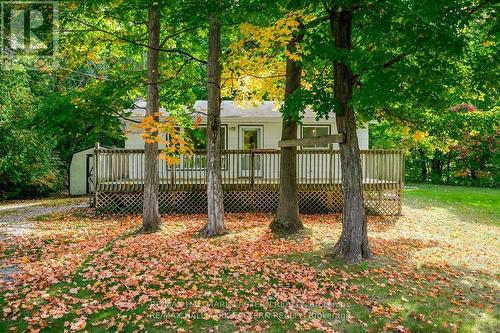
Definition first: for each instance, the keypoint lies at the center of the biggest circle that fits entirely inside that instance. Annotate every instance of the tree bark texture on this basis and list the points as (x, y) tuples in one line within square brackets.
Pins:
[(423, 166), (151, 220), (353, 243), (287, 219), (437, 164), (215, 224)]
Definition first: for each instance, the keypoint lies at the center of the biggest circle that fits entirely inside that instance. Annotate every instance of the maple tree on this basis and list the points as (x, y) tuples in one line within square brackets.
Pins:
[(357, 67), (287, 217), (122, 26), (348, 71), (151, 220), (265, 63), (215, 196)]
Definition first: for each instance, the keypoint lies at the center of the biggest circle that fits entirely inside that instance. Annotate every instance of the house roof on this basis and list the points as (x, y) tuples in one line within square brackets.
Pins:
[(230, 109)]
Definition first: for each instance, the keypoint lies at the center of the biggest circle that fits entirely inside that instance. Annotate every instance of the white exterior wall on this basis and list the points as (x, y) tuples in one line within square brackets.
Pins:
[(362, 138), (233, 118), (133, 138), (271, 132), (78, 172)]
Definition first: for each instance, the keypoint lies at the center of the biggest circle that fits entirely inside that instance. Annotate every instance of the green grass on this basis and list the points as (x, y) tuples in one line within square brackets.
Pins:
[(393, 283), (474, 204)]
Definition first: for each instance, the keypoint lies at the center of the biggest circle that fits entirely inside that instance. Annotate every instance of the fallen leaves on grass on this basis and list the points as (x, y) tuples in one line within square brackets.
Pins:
[(78, 267)]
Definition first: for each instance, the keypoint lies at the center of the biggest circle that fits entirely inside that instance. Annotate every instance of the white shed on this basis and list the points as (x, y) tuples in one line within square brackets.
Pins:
[(80, 169)]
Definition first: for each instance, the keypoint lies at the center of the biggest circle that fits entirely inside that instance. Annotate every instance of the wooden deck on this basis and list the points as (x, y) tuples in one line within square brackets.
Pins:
[(242, 184), (119, 172)]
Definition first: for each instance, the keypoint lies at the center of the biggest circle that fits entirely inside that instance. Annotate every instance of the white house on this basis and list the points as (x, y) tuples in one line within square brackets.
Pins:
[(244, 128), (249, 127), (250, 167)]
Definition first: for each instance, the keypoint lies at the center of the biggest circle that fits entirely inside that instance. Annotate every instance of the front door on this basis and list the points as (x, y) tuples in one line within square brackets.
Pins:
[(250, 139)]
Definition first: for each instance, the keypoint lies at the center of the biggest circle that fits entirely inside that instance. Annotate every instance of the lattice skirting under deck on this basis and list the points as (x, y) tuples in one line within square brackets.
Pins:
[(377, 202)]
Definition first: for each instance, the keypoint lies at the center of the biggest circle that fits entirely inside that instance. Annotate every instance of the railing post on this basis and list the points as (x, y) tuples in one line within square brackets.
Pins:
[(96, 166), (401, 179), (252, 161), (96, 174), (402, 168), (172, 175), (330, 169)]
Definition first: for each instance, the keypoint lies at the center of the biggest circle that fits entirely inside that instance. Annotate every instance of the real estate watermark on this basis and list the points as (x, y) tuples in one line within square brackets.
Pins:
[(29, 34), (200, 310)]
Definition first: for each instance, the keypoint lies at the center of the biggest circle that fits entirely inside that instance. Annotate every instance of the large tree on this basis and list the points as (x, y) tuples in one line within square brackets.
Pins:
[(287, 219), (274, 72), (119, 35), (215, 224), (353, 242), (233, 12), (386, 59), (151, 220)]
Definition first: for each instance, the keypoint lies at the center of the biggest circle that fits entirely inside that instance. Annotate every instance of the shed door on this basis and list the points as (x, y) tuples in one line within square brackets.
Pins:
[(89, 180)]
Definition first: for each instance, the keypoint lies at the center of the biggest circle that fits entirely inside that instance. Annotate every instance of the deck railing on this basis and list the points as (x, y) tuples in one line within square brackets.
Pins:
[(122, 170)]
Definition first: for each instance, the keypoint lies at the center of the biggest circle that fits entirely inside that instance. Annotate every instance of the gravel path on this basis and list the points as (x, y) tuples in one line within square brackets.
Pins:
[(16, 219)]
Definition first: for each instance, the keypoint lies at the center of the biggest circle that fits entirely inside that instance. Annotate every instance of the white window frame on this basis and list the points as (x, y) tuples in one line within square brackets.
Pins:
[(241, 128), (223, 161), (315, 125)]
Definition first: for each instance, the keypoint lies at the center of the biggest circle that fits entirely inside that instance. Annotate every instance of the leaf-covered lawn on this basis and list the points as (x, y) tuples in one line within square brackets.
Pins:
[(432, 272)]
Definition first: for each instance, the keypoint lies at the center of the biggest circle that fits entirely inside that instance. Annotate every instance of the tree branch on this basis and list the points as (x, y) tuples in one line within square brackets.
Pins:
[(479, 7), (394, 60), (181, 52), (175, 75), (387, 64), (197, 112), (118, 113), (123, 117), (176, 33)]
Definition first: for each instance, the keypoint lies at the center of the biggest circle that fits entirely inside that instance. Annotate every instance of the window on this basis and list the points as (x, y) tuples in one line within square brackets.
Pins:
[(312, 131), (199, 137)]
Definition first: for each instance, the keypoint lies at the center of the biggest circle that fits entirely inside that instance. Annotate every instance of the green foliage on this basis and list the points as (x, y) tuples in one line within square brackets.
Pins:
[(28, 165), (411, 60), (458, 146), (79, 118)]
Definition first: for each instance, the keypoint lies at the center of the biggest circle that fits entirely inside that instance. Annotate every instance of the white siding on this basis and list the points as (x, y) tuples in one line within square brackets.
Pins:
[(271, 132), (363, 137), (133, 138)]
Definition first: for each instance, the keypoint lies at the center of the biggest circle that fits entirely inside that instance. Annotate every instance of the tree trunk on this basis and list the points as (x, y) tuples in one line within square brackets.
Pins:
[(215, 224), (423, 166), (448, 165), (437, 168), (287, 219), (353, 243), (151, 220)]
